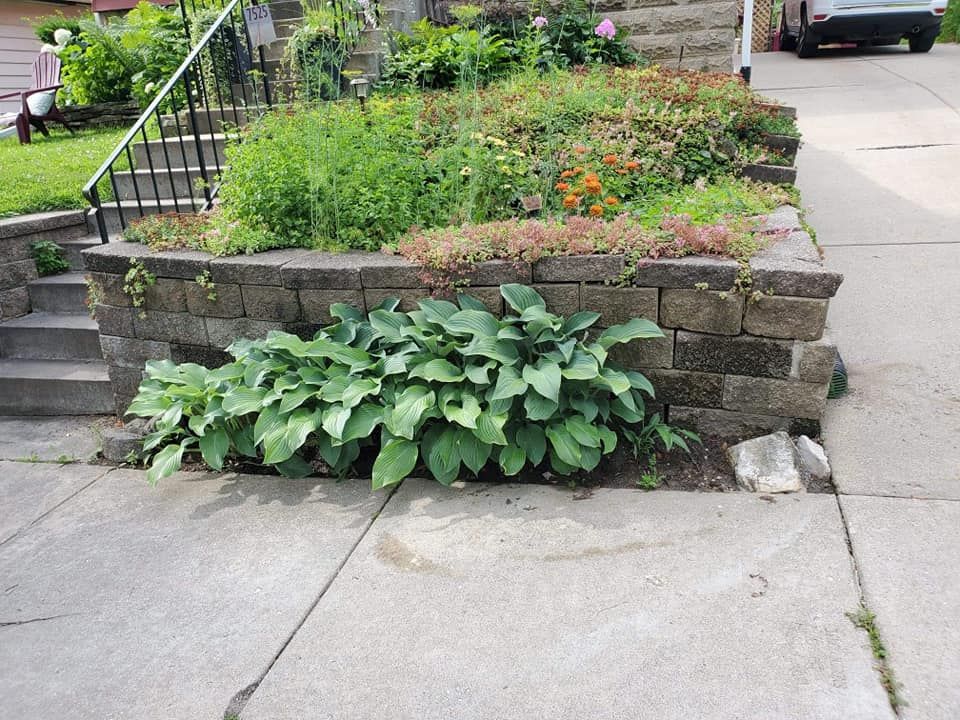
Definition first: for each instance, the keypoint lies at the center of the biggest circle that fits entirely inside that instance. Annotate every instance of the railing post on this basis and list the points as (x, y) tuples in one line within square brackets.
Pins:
[(192, 110), (98, 211)]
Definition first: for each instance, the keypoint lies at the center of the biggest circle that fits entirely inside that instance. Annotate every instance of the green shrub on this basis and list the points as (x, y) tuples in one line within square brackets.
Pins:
[(49, 258), (446, 386), (950, 27), (46, 26)]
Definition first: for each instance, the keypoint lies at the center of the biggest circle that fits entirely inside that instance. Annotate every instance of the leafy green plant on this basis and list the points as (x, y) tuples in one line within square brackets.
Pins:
[(45, 27), (950, 27), (49, 258), (135, 284), (94, 295), (206, 282), (449, 386)]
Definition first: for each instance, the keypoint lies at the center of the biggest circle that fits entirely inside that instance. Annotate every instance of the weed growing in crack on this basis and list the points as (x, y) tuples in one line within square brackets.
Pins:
[(866, 621)]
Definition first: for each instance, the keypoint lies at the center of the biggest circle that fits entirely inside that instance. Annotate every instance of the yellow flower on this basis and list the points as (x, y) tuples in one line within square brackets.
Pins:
[(465, 170)]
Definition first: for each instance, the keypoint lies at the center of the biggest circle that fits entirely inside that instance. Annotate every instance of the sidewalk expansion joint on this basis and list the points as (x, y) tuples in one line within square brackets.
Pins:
[(239, 700)]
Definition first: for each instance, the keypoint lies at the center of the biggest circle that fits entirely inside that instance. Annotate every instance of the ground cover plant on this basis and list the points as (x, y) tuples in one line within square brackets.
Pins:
[(451, 387)]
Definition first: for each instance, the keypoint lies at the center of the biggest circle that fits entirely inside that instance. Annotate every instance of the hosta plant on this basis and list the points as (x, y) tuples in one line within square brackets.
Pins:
[(449, 386)]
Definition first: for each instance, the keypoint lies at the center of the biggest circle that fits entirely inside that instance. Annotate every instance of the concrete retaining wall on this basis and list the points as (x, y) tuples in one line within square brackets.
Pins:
[(726, 364)]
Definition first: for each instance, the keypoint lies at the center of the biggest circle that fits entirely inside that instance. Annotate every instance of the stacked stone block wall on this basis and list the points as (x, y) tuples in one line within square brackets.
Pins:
[(727, 364)]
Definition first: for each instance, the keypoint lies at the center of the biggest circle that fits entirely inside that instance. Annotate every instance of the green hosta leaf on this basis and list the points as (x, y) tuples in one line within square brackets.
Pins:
[(587, 407), (463, 412), (198, 424), (564, 445), (358, 390), (243, 400), (296, 398), (149, 403), (614, 379), (362, 422), (618, 408), (335, 419), (489, 347), (566, 349), (608, 437), (389, 324), (268, 421), (510, 332), (300, 425), (538, 407), (534, 443), (521, 297), (389, 304), (558, 466), (512, 459), (437, 311), (509, 384), (581, 366), (342, 311), (589, 458), (242, 440), (278, 441), (499, 407), (345, 333), (473, 322), (438, 370), (579, 321), (490, 428), (409, 409), (287, 381), (294, 467), (328, 451), (639, 382), (479, 374), (441, 453), (473, 451), (597, 351), (333, 390), (311, 376), (394, 462), (393, 365), (166, 462), (214, 446), (468, 302), (545, 378), (582, 431), (632, 330)]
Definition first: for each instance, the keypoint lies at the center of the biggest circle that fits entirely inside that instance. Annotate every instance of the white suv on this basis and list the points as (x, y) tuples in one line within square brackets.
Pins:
[(805, 24)]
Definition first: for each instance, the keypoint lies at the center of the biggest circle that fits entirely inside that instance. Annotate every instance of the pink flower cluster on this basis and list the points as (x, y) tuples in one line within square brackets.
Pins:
[(540, 22), (606, 29)]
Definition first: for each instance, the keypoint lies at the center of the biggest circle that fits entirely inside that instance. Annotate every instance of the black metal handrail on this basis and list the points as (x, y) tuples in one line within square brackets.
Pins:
[(198, 77)]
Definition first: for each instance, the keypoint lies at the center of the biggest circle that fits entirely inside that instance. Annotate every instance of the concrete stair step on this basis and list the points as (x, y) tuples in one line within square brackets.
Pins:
[(73, 248), (170, 183), (182, 152), (134, 211), (66, 293), (50, 336), (55, 387), (216, 120)]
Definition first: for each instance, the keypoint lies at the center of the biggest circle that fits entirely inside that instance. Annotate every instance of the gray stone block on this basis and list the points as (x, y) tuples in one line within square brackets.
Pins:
[(132, 352), (14, 249), (776, 174), (767, 464), (739, 355), (814, 361), (797, 318), (499, 272), (167, 295), (645, 353), (705, 311), (785, 217), (685, 387), (229, 302), (205, 355), (269, 302), (120, 446), (40, 222), (562, 298), (125, 382), (792, 266), (323, 270), (315, 304), (578, 268), (618, 305), (765, 396), (113, 257), (170, 327), (262, 268), (223, 331), (378, 270), (111, 289), (687, 272), (185, 264), (732, 424), (17, 274), (115, 320), (14, 303)]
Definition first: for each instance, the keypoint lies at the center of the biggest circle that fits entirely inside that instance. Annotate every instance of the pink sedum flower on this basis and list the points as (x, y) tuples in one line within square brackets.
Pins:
[(606, 29), (540, 22)]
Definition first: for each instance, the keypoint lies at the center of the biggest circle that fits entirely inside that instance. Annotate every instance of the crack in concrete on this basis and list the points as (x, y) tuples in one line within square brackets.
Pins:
[(908, 147), (915, 82), (13, 623), (241, 697)]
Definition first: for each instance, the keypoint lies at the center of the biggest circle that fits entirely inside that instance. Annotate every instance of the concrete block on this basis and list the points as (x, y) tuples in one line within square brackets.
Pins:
[(738, 355), (17, 274), (578, 268), (618, 305), (263, 268), (170, 327), (785, 217), (185, 264), (113, 257), (14, 303), (562, 298), (14, 249), (166, 295), (132, 352), (228, 303), (776, 174), (267, 302), (499, 272), (120, 445), (315, 303), (110, 287), (378, 270), (687, 272), (786, 317), (765, 396), (409, 297), (323, 270), (116, 321), (685, 387), (205, 355), (792, 266), (645, 353), (223, 331), (126, 383), (705, 311), (732, 424), (814, 361)]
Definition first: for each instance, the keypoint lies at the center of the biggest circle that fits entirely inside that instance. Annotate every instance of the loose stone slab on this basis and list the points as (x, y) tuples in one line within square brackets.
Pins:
[(29, 490), (767, 464), (813, 459), (517, 602), (792, 266), (908, 555), (166, 602)]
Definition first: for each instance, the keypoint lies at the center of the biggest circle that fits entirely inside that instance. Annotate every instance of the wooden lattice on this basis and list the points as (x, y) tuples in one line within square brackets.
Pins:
[(762, 22)]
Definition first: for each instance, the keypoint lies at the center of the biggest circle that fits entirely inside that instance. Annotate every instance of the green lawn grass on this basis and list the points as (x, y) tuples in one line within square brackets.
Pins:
[(50, 173)]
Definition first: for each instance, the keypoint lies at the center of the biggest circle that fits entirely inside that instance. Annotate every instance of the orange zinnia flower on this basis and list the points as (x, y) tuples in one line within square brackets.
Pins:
[(596, 210), (631, 165), (571, 201), (567, 174), (591, 178), (611, 201), (562, 186), (577, 170), (609, 160), (621, 171), (580, 149)]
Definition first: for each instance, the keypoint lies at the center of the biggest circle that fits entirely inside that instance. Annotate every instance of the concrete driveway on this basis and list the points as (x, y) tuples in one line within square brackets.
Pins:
[(880, 177)]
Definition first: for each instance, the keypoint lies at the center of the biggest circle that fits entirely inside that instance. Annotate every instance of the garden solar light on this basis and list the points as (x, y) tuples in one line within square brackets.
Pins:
[(361, 86)]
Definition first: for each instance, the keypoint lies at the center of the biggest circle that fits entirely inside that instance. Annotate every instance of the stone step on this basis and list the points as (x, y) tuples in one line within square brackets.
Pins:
[(55, 387), (73, 248), (180, 152), (219, 119), (170, 183), (66, 293), (50, 336), (17, 234), (134, 211), (366, 62)]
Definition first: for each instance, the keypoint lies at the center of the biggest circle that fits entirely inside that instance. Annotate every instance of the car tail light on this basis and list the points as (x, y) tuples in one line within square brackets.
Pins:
[(822, 16), (939, 11)]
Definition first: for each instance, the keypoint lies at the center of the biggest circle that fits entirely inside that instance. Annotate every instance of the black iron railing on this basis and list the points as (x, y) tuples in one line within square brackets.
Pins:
[(172, 156)]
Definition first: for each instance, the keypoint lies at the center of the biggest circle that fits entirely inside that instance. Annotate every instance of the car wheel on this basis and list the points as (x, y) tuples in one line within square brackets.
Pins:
[(807, 40), (923, 42), (787, 41)]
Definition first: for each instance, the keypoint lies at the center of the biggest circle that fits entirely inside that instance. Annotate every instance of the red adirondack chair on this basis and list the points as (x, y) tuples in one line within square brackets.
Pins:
[(38, 103)]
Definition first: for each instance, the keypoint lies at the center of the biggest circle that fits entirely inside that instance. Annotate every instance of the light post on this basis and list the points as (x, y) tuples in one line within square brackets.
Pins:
[(361, 88)]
